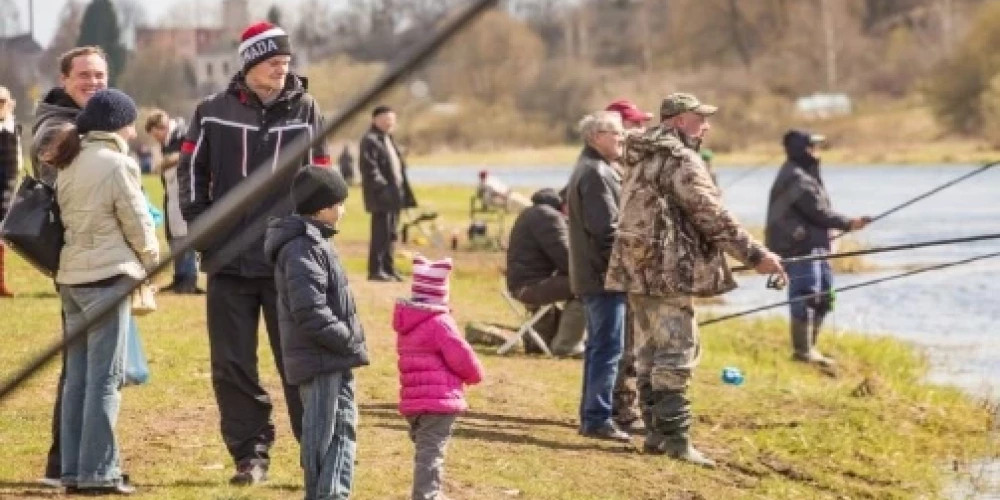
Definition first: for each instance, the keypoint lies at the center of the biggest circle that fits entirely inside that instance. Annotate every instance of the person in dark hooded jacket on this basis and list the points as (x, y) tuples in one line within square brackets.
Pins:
[(233, 134), (538, 270), (799, 221), (321, 336), (538, 255)]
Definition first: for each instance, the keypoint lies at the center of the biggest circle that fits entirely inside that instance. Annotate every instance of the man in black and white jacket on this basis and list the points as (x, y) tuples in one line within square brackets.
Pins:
[(233, 133)]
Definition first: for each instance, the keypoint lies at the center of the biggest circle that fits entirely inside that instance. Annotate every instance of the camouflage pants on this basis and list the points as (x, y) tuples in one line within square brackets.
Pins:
[(667, 349), (623, 406)]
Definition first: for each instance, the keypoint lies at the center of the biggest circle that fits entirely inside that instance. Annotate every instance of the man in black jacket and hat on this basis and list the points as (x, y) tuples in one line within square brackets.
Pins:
[(800, 219), (234, 133)]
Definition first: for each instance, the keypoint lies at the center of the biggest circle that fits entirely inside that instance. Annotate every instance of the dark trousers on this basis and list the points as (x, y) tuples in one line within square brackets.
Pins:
[(625, 404), (234, 307), (53, 463), (550, 290), (384, 231)]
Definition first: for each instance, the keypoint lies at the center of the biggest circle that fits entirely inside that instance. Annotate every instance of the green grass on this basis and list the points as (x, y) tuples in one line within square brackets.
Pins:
[(789, 432)]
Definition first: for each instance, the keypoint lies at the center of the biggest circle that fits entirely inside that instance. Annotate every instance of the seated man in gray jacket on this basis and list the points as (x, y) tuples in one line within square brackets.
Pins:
[(538, 270)]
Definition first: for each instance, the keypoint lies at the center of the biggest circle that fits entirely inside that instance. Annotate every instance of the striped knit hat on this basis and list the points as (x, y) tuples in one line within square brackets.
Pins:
[(430, 280), (262, 41)]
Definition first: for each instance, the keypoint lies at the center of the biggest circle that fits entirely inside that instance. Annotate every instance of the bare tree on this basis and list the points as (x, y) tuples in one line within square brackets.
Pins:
[(131, 14), (10, 19), (66, 34), (156, 78)]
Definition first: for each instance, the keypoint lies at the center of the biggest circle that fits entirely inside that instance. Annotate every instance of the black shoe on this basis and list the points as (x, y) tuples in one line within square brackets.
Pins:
[(381, 278), (172, 287), (609, 431), (122, 488), (249, 473)]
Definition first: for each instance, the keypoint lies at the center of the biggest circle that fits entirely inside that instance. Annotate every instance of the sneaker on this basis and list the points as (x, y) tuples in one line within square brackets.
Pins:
[(249, 473), (51, 482), (396, 277), (609, 431), (122, 488)]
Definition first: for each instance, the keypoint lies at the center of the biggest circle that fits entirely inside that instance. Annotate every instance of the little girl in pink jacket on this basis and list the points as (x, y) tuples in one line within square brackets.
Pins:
[(434, 364)]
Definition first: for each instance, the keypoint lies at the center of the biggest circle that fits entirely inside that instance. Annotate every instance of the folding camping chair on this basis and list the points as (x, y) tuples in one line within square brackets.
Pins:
[(432, 235), (527, 327), (490, 205)]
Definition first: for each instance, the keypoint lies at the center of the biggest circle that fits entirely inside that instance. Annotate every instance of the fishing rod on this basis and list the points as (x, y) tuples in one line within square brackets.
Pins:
[(248, 193), (892, 248), (938, 189), (750, 171), (847, 288)]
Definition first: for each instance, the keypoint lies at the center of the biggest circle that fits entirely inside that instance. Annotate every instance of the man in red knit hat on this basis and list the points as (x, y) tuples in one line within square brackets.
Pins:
[(233, 133)]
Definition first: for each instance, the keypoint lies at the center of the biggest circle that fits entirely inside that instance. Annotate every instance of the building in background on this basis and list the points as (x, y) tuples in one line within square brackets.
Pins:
[(211, 52)]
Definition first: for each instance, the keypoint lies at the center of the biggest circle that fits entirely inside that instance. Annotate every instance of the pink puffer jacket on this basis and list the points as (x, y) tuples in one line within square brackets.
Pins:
[(434, 360)]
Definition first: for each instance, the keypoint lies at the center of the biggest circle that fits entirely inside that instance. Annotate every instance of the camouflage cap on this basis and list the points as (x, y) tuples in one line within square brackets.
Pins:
[(680, 102)]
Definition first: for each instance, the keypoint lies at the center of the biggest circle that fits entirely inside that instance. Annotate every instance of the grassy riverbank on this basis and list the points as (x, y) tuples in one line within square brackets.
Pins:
[(876, 431)]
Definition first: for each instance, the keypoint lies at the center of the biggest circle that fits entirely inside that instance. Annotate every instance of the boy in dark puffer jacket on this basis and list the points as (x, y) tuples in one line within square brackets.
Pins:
[(321, 336)]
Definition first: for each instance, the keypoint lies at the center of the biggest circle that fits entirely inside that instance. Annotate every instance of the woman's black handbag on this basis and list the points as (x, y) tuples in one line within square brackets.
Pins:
[(32, 227)]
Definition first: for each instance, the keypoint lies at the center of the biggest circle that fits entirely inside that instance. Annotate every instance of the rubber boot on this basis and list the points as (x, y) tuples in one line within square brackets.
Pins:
[(817, 324), (801, 340), (802, 343), (678, 447), (4, 291)]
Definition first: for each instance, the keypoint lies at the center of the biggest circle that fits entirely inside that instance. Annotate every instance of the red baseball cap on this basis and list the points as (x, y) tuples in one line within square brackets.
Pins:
[(629, 111)]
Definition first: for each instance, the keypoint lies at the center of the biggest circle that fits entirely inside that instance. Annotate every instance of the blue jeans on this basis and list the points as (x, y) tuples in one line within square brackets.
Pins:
[(95, 372), (807, 278), (185, 266), (329, 442), (605, 313)]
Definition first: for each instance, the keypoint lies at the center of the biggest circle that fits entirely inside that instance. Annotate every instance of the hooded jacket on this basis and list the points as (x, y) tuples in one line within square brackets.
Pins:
[(55, 110), (317, 319), (674, 228), (799, 213), (232, 135), (434, 360), (539, 242)]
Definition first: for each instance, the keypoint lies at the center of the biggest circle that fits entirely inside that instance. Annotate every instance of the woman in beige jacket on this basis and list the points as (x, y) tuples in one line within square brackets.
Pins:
[(109, 242)]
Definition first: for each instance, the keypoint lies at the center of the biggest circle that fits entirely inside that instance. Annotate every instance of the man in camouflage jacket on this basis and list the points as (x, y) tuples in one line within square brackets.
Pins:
[(672, 234)]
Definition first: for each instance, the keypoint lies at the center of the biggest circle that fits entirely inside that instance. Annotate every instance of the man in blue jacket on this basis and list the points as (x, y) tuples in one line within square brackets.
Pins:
[(799, 221), (234, 133)]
